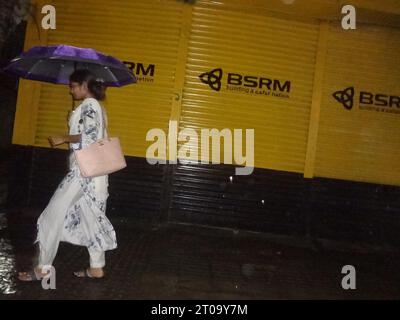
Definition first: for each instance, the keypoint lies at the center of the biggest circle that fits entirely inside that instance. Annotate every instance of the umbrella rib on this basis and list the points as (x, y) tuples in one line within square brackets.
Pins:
[(36, 64), (112, 75)]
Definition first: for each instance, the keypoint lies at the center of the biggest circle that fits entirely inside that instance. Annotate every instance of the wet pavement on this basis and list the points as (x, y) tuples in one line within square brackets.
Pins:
[(175, 261)]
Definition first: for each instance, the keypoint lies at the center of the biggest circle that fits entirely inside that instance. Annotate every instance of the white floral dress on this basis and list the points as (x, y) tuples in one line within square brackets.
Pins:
[(76, 212)]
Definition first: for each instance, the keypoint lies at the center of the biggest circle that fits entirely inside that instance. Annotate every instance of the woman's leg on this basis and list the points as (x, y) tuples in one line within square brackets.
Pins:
[(50, 224), (97, 259), (51, 221), (97, 262)]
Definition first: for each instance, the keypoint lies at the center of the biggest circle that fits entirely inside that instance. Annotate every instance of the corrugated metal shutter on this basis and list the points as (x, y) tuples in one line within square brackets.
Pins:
[(240, 40), (359, 144), (214, 195), (142, 32)]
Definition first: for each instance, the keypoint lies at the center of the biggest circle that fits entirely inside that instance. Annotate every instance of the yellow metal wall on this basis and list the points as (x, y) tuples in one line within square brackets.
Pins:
[(309, 132), (359, 144), (248, 43)]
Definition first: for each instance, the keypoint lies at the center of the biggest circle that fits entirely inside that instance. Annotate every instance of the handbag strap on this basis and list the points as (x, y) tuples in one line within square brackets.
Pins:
[(105, 122)]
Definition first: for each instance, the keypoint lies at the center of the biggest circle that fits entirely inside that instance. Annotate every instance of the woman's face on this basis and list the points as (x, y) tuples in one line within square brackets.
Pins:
[(78, 91)]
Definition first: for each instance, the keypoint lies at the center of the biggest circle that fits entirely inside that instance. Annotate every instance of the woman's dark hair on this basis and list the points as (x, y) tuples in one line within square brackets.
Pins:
[(95, 86)]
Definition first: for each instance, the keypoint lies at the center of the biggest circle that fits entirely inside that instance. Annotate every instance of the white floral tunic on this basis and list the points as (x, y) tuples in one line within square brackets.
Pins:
[(85, 222)]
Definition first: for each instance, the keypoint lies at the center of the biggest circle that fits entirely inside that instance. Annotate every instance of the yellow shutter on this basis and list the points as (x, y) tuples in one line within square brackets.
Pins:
[(240, 40), (248, 38), (359, 144)]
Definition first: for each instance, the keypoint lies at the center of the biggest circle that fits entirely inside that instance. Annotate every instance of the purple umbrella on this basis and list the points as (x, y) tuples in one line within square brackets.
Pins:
[(56, 63)]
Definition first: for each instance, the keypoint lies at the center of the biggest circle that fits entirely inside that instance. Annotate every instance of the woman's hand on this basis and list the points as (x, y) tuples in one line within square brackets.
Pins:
[(56, 140)]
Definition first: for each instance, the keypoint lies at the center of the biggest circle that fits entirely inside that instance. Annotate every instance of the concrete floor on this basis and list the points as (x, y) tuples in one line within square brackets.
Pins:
[(190, 262)]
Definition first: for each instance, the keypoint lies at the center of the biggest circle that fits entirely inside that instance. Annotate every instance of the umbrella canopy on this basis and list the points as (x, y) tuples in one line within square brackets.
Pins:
[(56, 63)]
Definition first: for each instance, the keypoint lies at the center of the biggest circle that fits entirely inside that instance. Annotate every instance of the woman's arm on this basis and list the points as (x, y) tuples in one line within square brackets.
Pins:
[(91, 127), (57, 140)]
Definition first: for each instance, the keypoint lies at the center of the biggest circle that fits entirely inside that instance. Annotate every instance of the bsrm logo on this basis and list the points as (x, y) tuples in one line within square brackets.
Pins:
[(382, 100), (346, 97), (260, 82), (139, 68)]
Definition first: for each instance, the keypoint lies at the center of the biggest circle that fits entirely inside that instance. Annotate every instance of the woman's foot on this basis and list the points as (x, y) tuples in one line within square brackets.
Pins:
[(96, 273), (33, 275)]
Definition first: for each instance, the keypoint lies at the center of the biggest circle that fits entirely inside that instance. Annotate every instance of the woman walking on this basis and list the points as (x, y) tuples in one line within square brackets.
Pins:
[(76, 211)]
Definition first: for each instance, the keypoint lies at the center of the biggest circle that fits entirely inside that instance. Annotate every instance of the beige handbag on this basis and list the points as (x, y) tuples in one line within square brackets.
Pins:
[(102, 157)]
